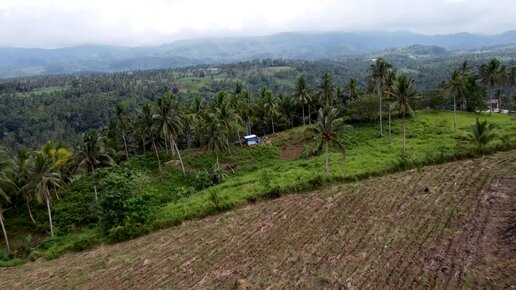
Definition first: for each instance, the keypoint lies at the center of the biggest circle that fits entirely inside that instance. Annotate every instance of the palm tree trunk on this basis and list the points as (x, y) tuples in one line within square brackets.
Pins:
[(404, 135), (309, 115), (188, 136), (303, 109), (272, 122), (166, 143), (94, 183), (47, 197), (381, 109), (95, 191), (327, 158), (5, 232), (179, 155), (125, 146), (500, 101), (490, 100), (156, 151), (27, 202), (390, 126), (454, 114)]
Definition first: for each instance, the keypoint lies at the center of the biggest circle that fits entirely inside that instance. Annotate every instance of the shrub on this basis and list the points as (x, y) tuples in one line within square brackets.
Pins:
[(80, 208), (363, 109), (205, 178), (123, 212), (126, 232), (406, 161), (4, 255), (27, 245)]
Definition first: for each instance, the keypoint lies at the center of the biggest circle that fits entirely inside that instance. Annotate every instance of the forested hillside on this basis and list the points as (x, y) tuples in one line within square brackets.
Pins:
[(307, 46), (60, 107)]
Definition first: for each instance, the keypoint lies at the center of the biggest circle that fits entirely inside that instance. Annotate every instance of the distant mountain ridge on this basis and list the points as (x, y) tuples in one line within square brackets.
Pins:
[(308, 46)]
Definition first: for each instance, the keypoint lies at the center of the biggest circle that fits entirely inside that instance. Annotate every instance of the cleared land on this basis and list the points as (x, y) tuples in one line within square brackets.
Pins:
[(445, 226)]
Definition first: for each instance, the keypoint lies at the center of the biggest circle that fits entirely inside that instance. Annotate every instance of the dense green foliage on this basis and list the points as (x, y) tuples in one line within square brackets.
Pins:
[(61, 107), (131, 176)]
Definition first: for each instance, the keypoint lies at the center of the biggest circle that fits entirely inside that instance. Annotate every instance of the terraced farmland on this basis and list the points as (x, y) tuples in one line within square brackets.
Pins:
[(446, 226)]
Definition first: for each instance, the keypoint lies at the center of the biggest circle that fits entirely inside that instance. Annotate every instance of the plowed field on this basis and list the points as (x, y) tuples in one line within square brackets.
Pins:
[(446, 226)]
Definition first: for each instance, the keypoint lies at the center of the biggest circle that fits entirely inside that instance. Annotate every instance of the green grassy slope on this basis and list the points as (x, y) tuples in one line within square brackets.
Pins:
[(260, 172), (430, 139)]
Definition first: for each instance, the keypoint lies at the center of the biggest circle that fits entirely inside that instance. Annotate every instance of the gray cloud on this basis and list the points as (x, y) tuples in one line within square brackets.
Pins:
[(56, 23)]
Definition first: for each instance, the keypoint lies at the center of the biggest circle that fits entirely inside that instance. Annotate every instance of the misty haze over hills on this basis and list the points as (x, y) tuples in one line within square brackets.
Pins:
[(308, 46)]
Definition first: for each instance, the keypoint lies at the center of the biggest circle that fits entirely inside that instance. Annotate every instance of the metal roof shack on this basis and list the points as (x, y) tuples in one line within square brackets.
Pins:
[(252, 140)]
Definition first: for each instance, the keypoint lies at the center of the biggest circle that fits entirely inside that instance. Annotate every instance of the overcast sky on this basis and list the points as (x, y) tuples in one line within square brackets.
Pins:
[(57, 23)]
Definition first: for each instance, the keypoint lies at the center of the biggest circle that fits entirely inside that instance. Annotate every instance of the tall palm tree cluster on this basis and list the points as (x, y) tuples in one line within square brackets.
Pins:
[(162, 127), (159, 127)]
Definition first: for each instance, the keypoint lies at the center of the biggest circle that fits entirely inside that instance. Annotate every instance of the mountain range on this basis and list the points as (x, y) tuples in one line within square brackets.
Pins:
[(15, 62)]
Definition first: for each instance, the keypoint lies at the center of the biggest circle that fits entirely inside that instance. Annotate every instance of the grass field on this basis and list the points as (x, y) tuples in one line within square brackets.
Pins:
[(262, 171), (447, 226)]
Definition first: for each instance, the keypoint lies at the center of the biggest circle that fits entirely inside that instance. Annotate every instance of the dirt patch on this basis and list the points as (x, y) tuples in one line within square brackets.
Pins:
[(290, 152)]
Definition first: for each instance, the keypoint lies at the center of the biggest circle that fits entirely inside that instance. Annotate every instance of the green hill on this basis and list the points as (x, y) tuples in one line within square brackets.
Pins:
[(251, 173)]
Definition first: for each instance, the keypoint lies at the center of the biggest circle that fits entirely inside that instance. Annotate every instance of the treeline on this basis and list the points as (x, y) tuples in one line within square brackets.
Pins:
[(62, 107)]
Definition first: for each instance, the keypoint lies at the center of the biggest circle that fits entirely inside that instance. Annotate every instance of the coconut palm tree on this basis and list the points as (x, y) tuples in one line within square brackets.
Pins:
[(45, 175), (403, 92), (270, 105), (378, 73), (192, 117), (464, 67), (388, 87), (352, 89), (215, 136), (229, 119), (456, 87), (92, 154), (302, 95), (287, 108), (123, 124), (220, 100), (481, 134), (247, 111), (21, 173), (511, 81), (6, 186), (490, 76), (168, 120), (146, 131), (237, 104), (325, 133), (326, 90)]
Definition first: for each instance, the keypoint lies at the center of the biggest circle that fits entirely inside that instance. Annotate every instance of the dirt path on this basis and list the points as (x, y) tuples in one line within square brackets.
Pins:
[(446, 226)]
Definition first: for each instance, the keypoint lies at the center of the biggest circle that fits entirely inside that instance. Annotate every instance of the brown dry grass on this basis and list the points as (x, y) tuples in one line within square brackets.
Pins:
[(446, 226)]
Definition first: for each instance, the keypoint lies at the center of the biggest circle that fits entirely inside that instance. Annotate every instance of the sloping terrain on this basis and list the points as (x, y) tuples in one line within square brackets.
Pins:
[(445, 226)]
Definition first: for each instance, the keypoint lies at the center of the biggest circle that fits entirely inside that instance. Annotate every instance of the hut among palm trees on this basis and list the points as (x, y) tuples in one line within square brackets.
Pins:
[(251, 140)]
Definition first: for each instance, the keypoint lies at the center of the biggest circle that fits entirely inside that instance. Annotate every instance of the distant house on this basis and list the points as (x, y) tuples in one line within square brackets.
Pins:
[(252, 140), (495, 103)]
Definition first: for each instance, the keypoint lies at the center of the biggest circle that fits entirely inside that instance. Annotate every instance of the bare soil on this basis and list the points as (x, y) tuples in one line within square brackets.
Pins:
[(290, 152), (439, 227)]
